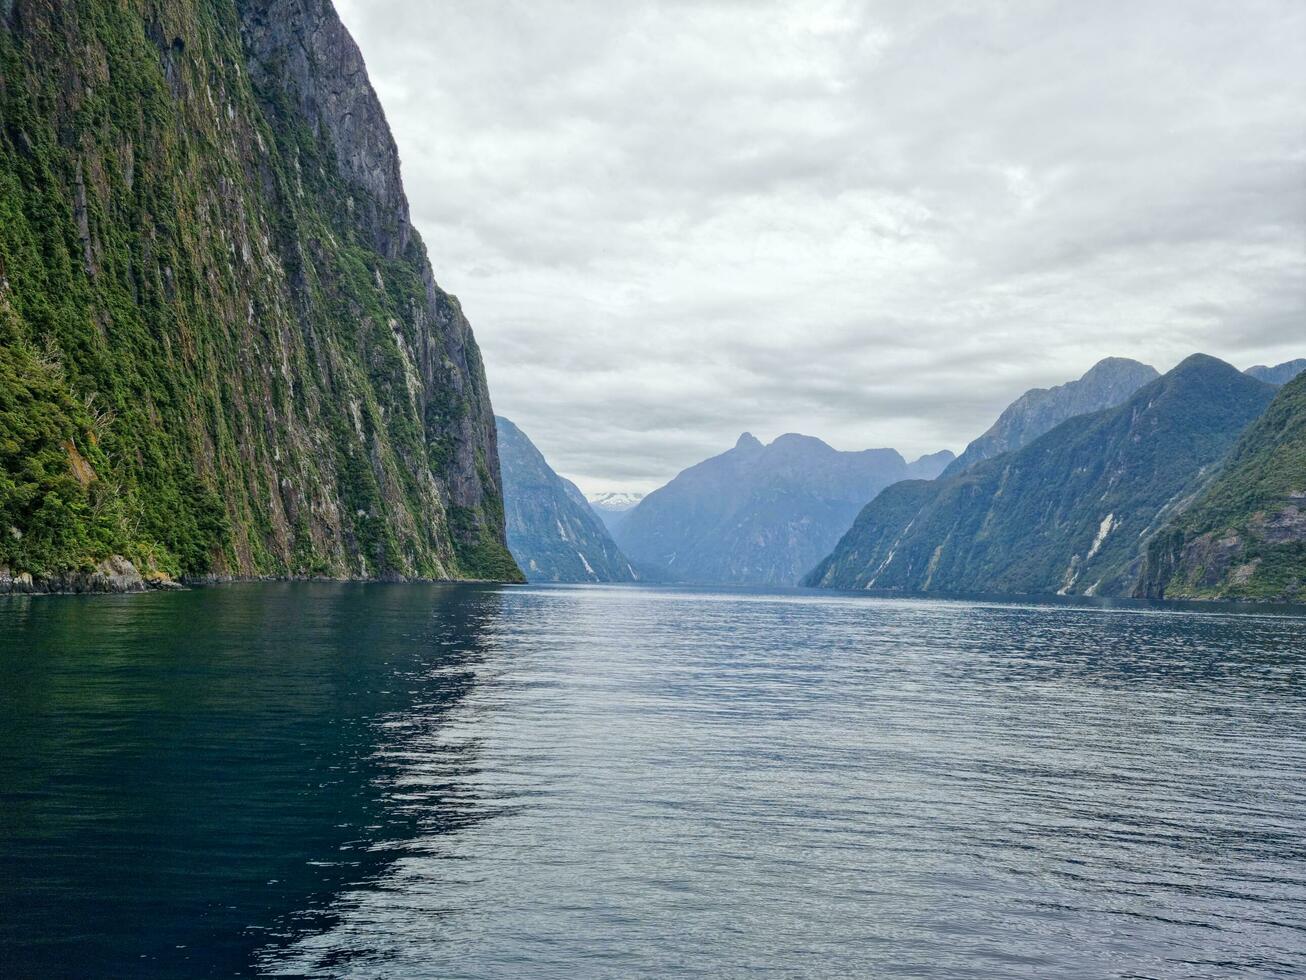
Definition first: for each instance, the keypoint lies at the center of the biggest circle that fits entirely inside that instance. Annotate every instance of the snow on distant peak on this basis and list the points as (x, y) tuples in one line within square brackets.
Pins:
[(615, 502)]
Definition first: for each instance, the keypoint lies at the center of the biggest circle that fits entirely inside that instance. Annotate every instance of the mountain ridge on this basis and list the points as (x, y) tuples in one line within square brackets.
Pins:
[(552, 532), (1107, 383), (1277, 374), (1066, 513), (759, 514)]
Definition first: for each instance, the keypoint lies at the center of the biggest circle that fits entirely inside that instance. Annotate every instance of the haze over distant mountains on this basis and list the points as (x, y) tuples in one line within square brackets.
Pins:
[(1065, 492), (552, 532), (1069, 512), (760, 515), (612, 507), (1107, 383), (1279, 374)]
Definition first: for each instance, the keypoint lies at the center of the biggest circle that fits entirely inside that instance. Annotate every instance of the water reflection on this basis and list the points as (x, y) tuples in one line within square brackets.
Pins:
[(696, 784), (610, 782), (186, 777)]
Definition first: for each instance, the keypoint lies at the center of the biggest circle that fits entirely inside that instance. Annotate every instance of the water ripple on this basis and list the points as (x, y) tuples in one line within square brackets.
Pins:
[(407, 781)]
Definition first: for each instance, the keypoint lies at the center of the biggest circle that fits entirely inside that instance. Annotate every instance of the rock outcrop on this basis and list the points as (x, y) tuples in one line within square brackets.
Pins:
[(114, 574)]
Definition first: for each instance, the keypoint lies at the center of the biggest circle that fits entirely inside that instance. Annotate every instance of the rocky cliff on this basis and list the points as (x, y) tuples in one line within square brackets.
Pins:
[(222, 348), (552, 532), (1245, 535), (1278, 374)]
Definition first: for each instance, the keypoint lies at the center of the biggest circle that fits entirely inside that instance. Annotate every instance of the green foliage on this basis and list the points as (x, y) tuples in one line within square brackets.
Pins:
[(1245, 535), (188, 298), (50, 517)]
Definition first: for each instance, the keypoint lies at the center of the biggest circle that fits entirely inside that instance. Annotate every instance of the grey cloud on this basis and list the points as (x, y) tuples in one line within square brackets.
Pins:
[(873, 222)]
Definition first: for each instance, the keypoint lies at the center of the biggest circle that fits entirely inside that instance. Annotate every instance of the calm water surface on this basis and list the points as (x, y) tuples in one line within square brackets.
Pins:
[(428, 781)]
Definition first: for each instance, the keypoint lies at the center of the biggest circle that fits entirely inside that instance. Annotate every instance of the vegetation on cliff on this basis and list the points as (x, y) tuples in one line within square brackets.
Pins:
[(222, 351), (1245, 536)]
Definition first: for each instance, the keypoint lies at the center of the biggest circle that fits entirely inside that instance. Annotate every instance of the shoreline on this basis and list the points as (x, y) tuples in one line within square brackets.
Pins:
[(117, 576)]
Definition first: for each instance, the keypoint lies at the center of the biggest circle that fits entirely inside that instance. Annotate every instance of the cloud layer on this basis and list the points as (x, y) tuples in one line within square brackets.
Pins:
[(876, 223)]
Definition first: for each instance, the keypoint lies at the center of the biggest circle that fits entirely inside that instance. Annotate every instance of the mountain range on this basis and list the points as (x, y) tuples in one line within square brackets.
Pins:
[(1279, 374), (223, 351), (760, 514), (1068, 513), (552, 532), (1107, 383)]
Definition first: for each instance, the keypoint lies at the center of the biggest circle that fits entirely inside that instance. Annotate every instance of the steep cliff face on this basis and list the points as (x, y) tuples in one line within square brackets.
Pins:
[(222, 347), (1105, 385), (1245, 535), (552, 532), (1068, 513)]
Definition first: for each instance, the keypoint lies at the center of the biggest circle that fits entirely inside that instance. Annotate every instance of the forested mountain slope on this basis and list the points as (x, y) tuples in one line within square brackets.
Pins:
[(1245, 536), (1068, 513), (222, 348)]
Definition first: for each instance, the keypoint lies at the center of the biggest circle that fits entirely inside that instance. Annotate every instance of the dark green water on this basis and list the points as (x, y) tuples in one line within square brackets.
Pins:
[(404, 780)]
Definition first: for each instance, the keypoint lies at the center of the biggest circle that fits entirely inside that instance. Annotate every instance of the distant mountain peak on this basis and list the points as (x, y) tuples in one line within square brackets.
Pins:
[(929, 466), (758, 514), (1113, 363), (1201, 362), (1106, 384), (1279, 374), (615, 500)]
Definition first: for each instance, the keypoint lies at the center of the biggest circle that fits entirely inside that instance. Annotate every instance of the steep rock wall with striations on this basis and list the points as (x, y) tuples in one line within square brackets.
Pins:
[(552, 532), (223, 351)]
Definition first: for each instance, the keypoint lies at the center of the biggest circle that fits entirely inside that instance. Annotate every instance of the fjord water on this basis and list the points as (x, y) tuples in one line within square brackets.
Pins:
[(466, 781)]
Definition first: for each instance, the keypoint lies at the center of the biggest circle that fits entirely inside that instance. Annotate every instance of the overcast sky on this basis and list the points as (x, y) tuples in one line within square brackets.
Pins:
[(876, 223)]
